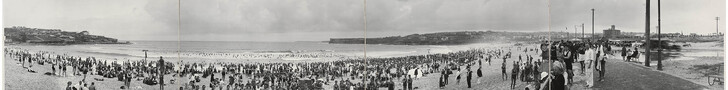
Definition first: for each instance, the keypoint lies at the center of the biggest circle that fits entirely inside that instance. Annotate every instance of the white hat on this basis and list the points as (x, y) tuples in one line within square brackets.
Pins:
[(544, 74)]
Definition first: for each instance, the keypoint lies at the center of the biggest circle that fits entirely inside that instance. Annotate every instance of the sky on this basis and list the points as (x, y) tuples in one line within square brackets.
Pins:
[(687, 16), (121, 19), (319, 20)]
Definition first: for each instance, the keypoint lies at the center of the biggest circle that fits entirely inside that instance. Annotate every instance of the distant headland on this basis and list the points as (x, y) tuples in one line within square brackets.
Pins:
[(24, 35), (445, 38), (469, 37)]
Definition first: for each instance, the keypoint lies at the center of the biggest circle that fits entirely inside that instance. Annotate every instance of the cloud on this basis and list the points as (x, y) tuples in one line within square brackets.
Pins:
[(293, 20), (449, 15), (270, 16)]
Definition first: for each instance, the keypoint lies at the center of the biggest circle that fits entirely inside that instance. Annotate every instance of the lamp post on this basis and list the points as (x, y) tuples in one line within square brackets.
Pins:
[(592, 23), (647, 33), (716, 26), (576, 33), (582, 31), (659, 37)]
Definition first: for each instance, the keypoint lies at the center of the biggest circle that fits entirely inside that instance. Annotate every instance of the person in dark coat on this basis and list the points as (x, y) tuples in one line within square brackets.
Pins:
[(161, 72), (446, 72), (442, 81), (470, 75), (504, 75), (480, 73), (514, 75), (409, 83), (391, 85)]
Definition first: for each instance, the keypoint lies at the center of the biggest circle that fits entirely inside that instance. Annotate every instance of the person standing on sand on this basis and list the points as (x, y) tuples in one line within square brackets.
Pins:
[(417, 70), (442, 82), (489, 59), (457, 79), (566, 58), (602, 61), (447, 75), (504, 75), (480, 74), (514, 75), (624, 53), (22, 60), (161, 72), (409, 83), (404, 82), (53, 66), (591, 53), (470, 76), (582, 56)]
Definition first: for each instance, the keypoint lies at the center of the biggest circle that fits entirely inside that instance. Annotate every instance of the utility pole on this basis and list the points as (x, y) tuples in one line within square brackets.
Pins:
[(582, 31), (592, 23), (716, 26), (647, 33), (659, 37), (576, 33)]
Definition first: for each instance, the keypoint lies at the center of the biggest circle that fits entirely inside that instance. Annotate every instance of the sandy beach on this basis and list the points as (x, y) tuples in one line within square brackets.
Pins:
[(17, 78), (19, 74), (491, 79), (697, 64)]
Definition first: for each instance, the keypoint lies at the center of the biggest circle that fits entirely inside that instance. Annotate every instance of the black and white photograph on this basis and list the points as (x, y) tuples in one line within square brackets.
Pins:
[(363, 44)]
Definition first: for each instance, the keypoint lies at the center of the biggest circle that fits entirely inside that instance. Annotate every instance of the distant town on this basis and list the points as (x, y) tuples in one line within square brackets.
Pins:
[(467, 37), (20, 35)]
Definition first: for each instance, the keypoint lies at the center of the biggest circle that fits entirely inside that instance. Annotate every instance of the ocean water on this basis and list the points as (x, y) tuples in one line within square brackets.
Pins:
[(232, 51)]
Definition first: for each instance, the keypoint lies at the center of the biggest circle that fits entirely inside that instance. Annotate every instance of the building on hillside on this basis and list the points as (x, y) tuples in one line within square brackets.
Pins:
[(611, 32)]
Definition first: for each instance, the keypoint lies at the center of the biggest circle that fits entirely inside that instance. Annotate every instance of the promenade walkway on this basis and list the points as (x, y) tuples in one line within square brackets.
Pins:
[(622, 75)]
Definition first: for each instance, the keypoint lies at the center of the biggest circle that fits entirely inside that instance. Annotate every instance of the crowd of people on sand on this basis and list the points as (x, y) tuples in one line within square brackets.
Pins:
[(563, 55), (549, 65), (552, 69), (70, 66), (266, 55)]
